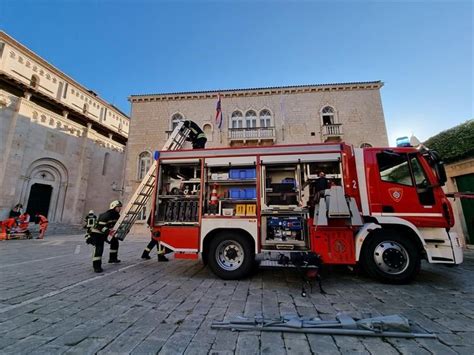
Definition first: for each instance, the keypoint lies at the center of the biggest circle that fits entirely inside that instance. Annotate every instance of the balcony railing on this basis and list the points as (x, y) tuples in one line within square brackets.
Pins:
[(331, 130), (247, 134)]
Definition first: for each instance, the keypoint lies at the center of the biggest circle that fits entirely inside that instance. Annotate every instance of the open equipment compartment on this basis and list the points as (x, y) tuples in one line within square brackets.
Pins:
[(230, 189), (179, 188)]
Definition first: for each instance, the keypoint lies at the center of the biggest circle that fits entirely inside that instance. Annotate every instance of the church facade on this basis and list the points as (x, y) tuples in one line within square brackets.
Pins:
[(62, 147)]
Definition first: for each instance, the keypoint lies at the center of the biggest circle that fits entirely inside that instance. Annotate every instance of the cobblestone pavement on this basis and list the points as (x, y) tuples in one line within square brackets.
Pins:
[(52, 302)]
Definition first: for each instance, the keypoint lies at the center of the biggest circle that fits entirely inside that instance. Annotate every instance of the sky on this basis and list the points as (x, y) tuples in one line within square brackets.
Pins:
[(421, 50)]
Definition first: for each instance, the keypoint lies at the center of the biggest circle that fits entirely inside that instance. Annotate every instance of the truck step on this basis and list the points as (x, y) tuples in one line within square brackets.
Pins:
[(274, 263)]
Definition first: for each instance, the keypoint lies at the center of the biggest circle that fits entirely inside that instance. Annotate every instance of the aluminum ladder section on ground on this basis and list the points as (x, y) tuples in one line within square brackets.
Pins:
[(144, 191)]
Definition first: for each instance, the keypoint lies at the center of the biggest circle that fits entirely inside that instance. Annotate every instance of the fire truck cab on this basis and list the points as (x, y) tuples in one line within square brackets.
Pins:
[(383, 208)]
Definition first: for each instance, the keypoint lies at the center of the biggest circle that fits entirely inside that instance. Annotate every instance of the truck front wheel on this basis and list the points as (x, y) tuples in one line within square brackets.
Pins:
[(231, 256), (391, 257)]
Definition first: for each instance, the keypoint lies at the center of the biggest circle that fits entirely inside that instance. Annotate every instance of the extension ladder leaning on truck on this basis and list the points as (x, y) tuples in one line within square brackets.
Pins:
[(384, 208)]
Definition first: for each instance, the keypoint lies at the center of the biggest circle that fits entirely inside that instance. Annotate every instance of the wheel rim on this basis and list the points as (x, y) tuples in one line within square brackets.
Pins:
[(229, 255), (391, 257)]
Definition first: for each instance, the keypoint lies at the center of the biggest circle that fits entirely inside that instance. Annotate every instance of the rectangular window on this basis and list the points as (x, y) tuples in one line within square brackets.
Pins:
[(2, 45), (142, 215), (65, 90), (420, 177), (60, 87), (394, 168)]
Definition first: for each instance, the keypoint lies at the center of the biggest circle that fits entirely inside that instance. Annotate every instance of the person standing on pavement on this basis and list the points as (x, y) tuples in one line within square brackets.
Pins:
[(101, 231), (89, 222), (154, 241), (43, 224)]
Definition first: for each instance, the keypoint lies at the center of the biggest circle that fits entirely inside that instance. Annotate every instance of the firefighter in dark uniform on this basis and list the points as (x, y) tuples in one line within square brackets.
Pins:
[(196, 136), (154, 241), (100, 232), (89, 222)]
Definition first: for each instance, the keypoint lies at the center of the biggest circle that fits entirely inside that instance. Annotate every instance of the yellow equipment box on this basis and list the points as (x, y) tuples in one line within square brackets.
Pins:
[(240, 210), (251, 210)]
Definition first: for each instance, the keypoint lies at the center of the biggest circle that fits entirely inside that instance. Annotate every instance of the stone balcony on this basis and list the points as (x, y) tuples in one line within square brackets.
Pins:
[(332, 132), (258, 134)]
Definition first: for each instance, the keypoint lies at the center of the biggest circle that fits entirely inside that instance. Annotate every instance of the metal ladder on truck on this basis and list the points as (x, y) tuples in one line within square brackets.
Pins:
[(144, 191)]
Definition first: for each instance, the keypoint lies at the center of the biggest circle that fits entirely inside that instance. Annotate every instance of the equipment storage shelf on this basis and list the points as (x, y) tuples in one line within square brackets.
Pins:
[(230, 192), (178, 195), (233, 182)]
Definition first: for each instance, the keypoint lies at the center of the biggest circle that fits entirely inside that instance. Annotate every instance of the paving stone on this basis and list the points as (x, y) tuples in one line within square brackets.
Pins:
[(272, 343), (296, 343), (26, 345), (150, 345), (169, 307), (322, 344)]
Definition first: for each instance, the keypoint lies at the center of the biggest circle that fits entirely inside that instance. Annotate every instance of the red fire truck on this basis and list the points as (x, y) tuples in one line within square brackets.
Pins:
[(383, 208)]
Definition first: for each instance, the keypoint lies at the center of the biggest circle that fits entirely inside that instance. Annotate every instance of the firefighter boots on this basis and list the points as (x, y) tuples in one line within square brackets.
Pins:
[(162, 257), (146, 255)]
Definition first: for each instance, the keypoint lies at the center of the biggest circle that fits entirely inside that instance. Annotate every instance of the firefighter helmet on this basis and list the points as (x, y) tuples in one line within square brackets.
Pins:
[(115, 203)]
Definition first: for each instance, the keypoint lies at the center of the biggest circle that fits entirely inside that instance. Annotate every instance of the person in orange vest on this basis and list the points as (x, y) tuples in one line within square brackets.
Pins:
[(43, 224), (24, 221), (6, 226)]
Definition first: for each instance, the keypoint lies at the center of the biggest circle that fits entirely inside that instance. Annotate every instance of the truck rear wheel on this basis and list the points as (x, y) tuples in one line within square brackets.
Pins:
[(391, 257), (231, 256)]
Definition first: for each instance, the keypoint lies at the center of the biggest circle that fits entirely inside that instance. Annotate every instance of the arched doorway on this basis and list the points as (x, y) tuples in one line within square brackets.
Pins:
[(39, 199), (44, 188)]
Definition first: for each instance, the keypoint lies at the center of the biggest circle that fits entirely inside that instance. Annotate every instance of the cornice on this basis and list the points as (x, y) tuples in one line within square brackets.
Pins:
[(28, 52), (277, 90)]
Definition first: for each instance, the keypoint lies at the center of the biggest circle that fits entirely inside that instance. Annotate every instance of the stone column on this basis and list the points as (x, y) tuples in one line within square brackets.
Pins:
[(82, 175), (10, 136)]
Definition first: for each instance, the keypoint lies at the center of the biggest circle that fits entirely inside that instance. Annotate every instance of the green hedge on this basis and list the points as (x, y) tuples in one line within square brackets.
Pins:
[(454, 144)]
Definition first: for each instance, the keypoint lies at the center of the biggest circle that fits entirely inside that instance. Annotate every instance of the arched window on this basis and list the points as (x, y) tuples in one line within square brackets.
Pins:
[(327, 115), (236, 119), (251, 119), (175, 119), (207, 128), (85, 108), (265, 118), (144, 163), (106, 162), (34, 82), (366, 145)]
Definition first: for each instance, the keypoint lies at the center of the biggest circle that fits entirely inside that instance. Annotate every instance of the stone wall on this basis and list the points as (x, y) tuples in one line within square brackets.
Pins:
[(41, 147)]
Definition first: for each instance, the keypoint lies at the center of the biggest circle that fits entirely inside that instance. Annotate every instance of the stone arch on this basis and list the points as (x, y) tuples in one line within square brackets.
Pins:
[(52, 172), (34, 81)]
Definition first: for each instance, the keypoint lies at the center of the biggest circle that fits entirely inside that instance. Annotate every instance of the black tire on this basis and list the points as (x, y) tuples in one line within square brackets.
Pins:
[(390, 257), (231, 256)]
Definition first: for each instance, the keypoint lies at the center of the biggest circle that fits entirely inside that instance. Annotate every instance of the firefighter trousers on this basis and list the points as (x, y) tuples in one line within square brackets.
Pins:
[(99, 241), (161, 250)]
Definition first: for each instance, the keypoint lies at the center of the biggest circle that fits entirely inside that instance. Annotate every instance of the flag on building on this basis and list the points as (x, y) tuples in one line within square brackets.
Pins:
[(219, 112)]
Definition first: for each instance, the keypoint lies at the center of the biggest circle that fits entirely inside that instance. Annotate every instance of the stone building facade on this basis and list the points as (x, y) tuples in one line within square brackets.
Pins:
[(461, 179), (350, 112), (61, 146)]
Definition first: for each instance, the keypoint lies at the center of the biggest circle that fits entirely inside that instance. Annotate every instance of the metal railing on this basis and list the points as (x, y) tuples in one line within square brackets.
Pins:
[(332, 130), (252, 133)]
